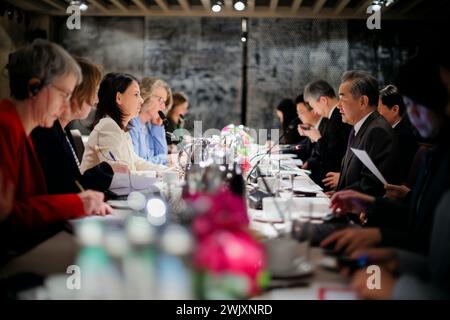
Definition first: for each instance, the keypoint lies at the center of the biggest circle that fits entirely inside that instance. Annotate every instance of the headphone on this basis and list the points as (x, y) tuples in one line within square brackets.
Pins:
[(35, 87)]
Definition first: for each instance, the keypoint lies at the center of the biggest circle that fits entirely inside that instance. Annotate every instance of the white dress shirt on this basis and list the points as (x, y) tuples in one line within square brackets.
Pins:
[(331, 112), (359, 124)]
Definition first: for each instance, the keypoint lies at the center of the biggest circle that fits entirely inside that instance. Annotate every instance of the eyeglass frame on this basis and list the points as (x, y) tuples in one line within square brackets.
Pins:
[(66, 96), (160, 99)]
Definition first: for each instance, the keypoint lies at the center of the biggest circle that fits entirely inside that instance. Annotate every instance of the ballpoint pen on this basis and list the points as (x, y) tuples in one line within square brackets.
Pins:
[(112, 156)]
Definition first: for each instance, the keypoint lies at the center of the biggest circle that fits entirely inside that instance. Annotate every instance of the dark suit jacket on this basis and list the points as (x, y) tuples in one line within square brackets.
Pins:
[(407, 146), (330, 149), (59, 165), (313, 164), (377, 138), (408, 225)]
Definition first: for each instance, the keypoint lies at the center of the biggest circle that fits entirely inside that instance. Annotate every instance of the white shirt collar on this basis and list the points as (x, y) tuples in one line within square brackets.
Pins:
[(395, 124), (359, 124), (331, 112), (316, 126)]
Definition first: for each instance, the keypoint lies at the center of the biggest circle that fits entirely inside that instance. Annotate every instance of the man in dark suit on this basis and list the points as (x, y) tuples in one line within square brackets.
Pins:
[(308, 119), (331, 139), (406, 224), (392, 108), (358, 95)]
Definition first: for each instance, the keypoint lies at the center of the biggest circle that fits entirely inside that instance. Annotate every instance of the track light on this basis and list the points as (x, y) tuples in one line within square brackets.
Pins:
[(378, 4), (217, 6), (239, 5), (83, 5)]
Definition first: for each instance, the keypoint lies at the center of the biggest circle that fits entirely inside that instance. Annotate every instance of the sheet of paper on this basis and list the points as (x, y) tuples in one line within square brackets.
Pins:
[(365, 159), (123, 184)]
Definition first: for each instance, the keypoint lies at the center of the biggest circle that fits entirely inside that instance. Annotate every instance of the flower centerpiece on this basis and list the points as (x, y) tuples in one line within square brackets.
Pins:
[(231, 263), (237, 139)]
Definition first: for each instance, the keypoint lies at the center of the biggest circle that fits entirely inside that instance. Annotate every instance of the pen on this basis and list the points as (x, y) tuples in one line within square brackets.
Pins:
[(112, 156), (79, 186)]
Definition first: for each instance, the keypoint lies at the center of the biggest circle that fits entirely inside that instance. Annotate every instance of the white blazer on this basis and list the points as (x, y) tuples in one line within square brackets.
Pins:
[(108, 142)]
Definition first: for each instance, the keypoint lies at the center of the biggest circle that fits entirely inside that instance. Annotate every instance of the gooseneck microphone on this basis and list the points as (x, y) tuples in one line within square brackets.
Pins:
[(166, 123), (292, 125), (163, 118)]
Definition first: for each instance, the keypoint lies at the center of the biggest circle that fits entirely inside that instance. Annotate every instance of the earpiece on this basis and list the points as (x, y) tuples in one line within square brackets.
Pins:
[(34, 86)]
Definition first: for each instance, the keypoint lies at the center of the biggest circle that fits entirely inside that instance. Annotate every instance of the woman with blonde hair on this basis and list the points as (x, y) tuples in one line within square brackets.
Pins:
[(146, 130)]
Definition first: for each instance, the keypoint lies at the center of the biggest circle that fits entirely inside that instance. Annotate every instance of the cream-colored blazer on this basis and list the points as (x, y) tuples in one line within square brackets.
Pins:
[(107, 142)]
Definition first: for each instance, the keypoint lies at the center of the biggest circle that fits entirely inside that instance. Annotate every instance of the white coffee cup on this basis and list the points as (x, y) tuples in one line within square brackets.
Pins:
[(281, 254)]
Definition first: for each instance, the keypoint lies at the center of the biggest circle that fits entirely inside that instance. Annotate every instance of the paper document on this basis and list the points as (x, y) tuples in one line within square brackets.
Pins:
[(123, 183), (365, 159)]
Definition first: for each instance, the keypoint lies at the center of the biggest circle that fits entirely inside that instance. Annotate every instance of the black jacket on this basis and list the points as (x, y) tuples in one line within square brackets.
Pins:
[(378, 139), (59, 164), (407, 146), (408, 225), (330, 149)]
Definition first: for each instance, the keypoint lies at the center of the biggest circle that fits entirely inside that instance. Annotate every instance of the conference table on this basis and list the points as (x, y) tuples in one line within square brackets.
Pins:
[(51, 258)]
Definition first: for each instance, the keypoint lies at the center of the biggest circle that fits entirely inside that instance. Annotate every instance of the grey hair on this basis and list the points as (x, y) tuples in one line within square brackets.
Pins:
[(41, 59), (317, 89), (363, 84), (148, 85)]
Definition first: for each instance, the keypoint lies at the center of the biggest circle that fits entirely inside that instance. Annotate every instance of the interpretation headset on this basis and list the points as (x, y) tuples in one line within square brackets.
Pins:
[(34, 88)]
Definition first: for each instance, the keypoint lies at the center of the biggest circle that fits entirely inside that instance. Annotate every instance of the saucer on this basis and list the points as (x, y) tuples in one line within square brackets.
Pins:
[(300, 268)]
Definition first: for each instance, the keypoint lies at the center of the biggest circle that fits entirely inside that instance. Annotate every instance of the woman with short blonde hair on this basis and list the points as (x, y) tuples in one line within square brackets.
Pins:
[(146, 130)]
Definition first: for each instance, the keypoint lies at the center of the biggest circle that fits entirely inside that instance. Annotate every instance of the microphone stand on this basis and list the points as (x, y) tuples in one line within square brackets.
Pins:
[(289, 128), (256, 167)]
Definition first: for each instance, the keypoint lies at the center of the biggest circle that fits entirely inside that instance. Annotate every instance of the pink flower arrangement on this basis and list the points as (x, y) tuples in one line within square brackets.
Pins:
[(224, 245)]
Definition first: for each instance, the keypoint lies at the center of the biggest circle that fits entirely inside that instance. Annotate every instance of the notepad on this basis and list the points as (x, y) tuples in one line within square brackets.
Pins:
[(124, 184)]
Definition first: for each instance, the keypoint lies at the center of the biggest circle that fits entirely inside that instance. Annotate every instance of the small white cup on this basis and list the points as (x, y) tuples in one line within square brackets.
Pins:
[(281, 254)]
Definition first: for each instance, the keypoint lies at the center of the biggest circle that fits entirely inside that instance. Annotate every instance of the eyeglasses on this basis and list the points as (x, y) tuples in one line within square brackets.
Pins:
[(66, 95), (160, 99)]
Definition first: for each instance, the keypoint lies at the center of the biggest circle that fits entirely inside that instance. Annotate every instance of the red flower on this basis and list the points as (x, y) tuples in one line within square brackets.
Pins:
[(224, 245)]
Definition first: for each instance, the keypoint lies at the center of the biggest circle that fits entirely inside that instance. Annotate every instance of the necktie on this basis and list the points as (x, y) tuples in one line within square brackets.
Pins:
[(351, 138)]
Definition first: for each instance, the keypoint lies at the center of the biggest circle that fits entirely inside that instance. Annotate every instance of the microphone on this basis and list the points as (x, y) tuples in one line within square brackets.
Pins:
[(171, 136), (292, 125), (163, 118)]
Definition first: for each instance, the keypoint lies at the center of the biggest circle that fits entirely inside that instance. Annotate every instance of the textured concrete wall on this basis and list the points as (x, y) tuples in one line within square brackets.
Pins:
[(197, 55), (382, 51), (203, 57), (116, 44), (14, 35), (284, 55)]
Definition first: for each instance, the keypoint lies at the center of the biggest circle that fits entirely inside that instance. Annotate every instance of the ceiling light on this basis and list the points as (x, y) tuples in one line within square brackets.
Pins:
[(217, 6), (83, 6), (239, 5)]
